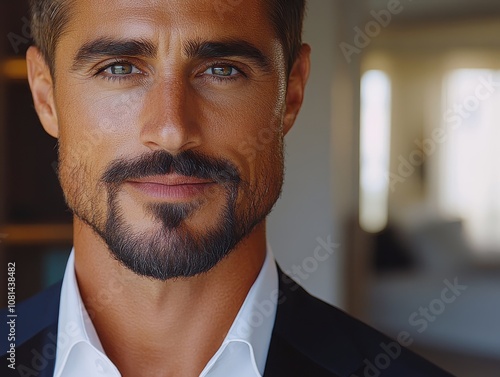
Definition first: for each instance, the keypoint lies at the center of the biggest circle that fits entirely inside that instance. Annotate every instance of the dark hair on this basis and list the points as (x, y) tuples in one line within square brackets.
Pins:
[(287, 17), (49, 19)]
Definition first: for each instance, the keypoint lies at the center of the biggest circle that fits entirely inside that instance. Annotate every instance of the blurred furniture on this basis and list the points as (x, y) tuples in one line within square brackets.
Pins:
[(412, 300)]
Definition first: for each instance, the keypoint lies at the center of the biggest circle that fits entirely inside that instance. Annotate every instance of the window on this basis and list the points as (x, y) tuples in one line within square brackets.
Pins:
[(375, 149), (470, 155)]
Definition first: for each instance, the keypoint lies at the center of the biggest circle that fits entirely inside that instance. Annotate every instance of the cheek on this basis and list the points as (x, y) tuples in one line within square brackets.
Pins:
[(246, 128), (251, 116), (259, 141), (94, 130), (94, 126)]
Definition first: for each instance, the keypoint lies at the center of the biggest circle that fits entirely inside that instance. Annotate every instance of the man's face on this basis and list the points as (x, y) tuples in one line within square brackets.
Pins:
[(170, 125)]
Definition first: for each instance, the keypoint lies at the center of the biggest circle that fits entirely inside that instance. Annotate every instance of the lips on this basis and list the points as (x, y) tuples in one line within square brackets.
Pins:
[(171, 187)]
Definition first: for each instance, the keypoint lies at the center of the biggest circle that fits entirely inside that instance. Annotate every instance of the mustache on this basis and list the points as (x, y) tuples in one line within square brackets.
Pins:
[(188, 163)]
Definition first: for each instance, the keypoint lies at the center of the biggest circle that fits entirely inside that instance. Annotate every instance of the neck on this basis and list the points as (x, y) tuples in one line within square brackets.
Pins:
[(150, 327)]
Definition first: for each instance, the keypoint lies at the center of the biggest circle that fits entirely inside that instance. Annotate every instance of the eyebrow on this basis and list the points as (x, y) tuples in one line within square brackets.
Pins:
[(227, 49), (107, 47), (103, 47)]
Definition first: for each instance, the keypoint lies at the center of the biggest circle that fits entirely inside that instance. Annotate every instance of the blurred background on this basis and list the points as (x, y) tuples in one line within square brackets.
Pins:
[(390, 208)]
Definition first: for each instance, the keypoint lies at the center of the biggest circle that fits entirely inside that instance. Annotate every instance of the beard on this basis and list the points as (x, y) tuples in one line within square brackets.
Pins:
[(171, 249)]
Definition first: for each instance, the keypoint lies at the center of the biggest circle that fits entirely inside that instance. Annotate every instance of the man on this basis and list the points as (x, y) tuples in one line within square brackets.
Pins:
[(170, 274)]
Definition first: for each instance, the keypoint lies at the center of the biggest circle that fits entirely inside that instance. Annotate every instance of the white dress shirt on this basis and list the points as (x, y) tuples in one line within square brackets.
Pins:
[(243, 352)]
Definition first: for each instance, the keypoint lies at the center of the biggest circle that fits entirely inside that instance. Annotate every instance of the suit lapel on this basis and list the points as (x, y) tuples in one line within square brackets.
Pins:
[(306, 339), (36, 357), (285, 360), (36, 336)]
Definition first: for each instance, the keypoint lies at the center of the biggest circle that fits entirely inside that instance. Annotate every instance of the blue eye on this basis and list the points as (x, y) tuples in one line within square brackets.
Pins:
[(222, 71), (121, 69)]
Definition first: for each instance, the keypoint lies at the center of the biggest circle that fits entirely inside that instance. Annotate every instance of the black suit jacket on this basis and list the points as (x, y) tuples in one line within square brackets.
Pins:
[(310, 339)]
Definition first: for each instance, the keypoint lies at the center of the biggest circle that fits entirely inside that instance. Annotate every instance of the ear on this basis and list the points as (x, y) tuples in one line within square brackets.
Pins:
[(42, 89), (296, 86)]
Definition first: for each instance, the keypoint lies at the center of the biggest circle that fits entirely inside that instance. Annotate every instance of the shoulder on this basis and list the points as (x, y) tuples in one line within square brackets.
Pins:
[(333, 340)]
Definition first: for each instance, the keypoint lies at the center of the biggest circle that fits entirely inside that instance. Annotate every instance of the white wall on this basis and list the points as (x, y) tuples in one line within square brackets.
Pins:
[(309, 207)]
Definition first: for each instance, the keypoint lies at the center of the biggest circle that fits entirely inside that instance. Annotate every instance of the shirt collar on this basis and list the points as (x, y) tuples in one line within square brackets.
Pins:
[(249, 337), (242, 353), (79, 350)]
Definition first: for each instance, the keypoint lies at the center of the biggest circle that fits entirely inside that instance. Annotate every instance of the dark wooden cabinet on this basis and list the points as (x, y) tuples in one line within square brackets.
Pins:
[(35, 224)]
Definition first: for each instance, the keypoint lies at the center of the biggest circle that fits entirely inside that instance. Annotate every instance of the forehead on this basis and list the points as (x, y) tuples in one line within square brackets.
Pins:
[(164, 19)]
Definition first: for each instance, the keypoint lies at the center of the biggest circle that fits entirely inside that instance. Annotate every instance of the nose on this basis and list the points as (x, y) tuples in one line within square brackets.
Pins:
[(170, 117)]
